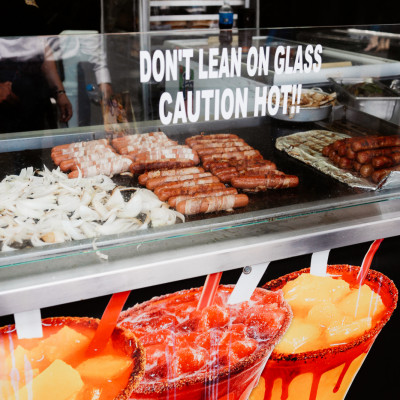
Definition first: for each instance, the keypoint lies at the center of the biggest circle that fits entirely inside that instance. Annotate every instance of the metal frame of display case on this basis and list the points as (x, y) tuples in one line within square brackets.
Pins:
[(59, 274), (56, 279)]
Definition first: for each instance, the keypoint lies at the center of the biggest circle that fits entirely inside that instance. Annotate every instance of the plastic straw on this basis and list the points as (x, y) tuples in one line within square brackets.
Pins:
[(367, 261), (209, 290), (107, 323)]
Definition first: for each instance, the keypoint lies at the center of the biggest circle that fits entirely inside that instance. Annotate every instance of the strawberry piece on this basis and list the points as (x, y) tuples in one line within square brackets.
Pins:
[(264, 320), (213, 317), (187, 359)]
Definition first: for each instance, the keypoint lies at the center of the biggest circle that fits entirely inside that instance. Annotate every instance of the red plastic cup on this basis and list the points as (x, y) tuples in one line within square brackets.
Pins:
[(215, 353), (326, 373)]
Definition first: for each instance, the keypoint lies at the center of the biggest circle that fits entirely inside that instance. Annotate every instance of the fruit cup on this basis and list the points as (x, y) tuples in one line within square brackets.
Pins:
[(334, 325), (215, 353), (57, 367)]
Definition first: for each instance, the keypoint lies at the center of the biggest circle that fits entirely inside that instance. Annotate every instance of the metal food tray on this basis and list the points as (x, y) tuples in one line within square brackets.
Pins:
[(384, 107), (316, 192)]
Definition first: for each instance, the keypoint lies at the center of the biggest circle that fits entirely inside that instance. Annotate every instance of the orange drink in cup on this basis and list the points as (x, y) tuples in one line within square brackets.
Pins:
[(56, 367), (335, 323), (215, 353)]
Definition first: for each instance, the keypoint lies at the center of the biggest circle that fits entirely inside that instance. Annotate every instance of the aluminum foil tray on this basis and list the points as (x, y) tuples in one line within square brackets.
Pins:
[(307, 147)]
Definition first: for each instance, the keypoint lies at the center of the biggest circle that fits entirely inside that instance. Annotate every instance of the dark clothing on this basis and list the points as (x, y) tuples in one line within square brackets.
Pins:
[(32, 110)]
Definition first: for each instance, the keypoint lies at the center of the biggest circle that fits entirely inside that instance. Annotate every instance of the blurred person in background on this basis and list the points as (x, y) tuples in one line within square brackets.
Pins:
[(28, 75)]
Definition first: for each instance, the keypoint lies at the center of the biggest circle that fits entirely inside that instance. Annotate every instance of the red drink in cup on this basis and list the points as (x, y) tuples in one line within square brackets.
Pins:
[(57, 367), (334, 325), (216, 353)]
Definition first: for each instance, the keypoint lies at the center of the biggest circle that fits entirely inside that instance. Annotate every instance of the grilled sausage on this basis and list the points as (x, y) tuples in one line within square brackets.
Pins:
[(366, 170), (165, 193), (215, 136), (379, 174), (234, 155), (190, 182), (212, 204), (173, 201), (375, 142), (152, 183), (261, 183), (173, 163), (168, 172), (208, 144)]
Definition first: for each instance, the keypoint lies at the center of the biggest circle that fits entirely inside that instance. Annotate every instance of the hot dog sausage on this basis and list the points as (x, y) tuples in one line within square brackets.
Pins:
[(366, 156), (379, 174), (211, 137), (217, 150), (366, 170), (190, 182), (167, 172), (375, 142), (208, 144), (111, 168), (77, 145), (260, 183), (152, 183), (173, 201), (165, 193), (212, 204), (234, 155), (173, 163)]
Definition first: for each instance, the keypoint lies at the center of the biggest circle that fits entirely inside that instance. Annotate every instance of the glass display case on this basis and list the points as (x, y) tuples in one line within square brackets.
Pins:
[(184, 158)]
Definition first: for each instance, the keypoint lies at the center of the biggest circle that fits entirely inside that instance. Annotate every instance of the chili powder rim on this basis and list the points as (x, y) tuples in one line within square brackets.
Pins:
[(372, 277)]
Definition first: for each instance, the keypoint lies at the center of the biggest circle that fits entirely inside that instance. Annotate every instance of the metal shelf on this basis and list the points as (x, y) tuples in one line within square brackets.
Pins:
[(61, 280)]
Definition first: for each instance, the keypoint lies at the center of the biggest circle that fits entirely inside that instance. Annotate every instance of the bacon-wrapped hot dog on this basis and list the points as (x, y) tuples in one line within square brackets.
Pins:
[(212, 204), (62, 155), (168, 172), (262, 183), (172, 163), (88, 159), (209, 144), (214, 136), (217, 150), (173, 201), (166, 192), (234, 155), (113, 167), (186, 183), (152, 183), (78, 145)]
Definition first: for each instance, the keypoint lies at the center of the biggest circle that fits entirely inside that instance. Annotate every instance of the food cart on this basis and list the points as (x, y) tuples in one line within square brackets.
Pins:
[(327, 209)]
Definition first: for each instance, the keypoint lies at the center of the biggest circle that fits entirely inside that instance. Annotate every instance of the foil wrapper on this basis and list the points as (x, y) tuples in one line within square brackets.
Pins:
[(307, 147)]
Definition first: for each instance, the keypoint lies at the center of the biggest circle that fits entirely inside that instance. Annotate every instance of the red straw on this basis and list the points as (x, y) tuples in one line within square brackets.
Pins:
[(107, 323), (367, 261), (209, 290)]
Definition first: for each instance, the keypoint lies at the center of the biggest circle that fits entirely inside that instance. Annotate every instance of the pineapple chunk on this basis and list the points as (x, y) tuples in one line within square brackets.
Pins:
[(103, 367), (307, 290), (63, 345), (361, 303), (59, 381), (344, 330), (322, 314), (299, 337)]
